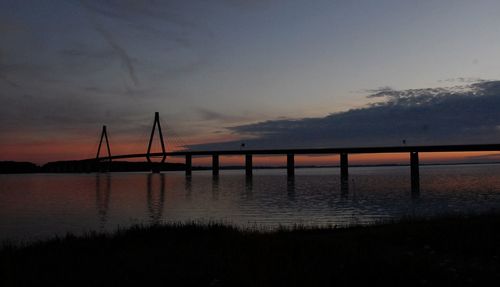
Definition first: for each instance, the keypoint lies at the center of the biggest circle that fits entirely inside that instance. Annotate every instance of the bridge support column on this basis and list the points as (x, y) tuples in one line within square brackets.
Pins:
[(414, 171), (188, 165), (344, 168), (215, 164), (290, 164), (248, 165), (155, 167)]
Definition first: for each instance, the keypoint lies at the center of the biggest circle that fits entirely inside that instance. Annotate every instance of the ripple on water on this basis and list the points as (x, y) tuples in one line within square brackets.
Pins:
[(41, 205)]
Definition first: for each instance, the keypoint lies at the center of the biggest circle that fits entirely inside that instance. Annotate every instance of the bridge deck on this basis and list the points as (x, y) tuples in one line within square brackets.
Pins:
[(347, 150)]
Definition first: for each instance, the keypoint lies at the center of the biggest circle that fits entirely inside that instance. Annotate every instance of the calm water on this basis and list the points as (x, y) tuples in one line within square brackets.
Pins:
[(41, 205)]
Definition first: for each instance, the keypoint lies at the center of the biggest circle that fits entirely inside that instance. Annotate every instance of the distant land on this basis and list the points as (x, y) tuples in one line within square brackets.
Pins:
[(76, 166)]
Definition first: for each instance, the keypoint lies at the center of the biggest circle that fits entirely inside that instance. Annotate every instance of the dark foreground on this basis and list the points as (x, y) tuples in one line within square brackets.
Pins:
[(458, 251)]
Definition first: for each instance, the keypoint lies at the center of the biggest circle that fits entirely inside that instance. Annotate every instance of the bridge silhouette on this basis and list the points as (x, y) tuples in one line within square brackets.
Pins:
[(343, 153)]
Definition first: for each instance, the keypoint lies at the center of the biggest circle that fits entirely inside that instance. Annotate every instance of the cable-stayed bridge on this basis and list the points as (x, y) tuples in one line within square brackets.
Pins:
[(343, 152)]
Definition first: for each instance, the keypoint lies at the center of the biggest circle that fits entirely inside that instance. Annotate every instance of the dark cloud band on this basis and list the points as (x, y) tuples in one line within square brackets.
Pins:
[(465, 114)]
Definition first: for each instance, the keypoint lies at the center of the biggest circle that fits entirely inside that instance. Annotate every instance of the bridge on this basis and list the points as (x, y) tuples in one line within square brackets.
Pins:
[(344, 153)]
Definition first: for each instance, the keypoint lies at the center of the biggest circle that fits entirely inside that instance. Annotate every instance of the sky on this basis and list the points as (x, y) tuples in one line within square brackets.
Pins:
[(267, 73)]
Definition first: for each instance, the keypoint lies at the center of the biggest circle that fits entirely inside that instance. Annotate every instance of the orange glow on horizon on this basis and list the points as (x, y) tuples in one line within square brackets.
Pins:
[(354, 159)]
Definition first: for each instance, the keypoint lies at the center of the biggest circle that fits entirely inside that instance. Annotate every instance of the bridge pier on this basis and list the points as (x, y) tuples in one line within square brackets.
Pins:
[(155, 167), (344, 168), (415, 173), (290, 164), (248, 165), (215, 165), (188, 165)]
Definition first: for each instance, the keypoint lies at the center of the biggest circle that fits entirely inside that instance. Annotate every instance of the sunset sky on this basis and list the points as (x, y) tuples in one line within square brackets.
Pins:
[(267, 73)]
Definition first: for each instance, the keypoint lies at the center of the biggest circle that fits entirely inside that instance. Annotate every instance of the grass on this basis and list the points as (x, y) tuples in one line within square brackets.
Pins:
[(447, 250)]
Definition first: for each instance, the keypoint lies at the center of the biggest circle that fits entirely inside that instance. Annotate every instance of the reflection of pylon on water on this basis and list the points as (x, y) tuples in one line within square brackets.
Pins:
[(155, 205), (102, 197)]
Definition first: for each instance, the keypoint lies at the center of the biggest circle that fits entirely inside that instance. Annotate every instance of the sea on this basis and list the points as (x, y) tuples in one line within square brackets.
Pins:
[(41, 206)]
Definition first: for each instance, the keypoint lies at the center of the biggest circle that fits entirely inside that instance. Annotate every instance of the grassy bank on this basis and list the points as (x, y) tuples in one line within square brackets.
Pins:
[(461, 251)]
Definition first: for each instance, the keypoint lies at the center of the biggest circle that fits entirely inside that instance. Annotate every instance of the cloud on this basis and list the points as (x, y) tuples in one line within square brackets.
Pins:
[(122, 54), (462, 114), (131, 11), (9, 31), (119, 51), (6, 79), (467, 80), (172, 30), (484, 157), (210, 115)]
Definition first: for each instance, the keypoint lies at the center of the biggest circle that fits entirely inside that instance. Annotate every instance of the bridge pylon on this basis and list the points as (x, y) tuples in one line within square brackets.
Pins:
[(156, 123), (104, 135)]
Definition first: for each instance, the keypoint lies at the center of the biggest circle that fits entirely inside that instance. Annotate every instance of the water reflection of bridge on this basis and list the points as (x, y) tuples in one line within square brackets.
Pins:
[(102, 197), (155, 197), (290, 154), (155, 192)]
